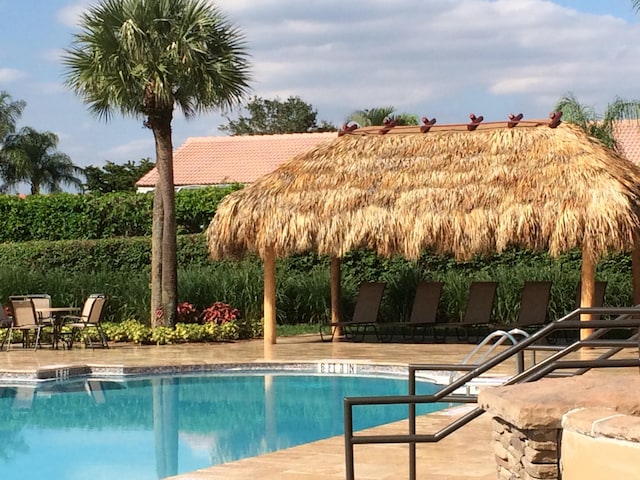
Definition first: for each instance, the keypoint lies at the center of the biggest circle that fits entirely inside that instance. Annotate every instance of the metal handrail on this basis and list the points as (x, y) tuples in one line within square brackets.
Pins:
[(625, 319), (501, 336)]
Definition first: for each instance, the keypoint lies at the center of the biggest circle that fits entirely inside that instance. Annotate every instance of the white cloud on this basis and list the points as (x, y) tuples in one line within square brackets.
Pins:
[(438, 58), (52, 55), (134, 149), (429, 56), (9, 75), (70, 15)]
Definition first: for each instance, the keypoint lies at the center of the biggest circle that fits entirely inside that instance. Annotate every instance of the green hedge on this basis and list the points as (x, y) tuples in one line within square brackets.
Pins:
[(65, 216), (69, 271), (111, 254)]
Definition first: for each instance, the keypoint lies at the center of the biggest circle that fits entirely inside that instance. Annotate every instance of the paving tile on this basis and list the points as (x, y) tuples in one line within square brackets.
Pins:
[(466, 454)]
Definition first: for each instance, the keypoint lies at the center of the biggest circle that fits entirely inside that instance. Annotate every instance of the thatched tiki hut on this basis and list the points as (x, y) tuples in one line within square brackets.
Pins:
[(450, 189)]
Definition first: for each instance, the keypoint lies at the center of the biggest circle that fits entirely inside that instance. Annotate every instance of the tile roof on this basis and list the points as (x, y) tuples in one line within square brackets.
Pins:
[(243, 159), (627, 134)]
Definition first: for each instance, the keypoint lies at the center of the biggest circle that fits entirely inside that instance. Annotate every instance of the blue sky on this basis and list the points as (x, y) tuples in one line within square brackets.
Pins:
[(435, 58)]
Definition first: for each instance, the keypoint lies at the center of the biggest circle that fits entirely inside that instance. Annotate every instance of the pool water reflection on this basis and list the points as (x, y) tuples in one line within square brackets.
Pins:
[(160, 426)]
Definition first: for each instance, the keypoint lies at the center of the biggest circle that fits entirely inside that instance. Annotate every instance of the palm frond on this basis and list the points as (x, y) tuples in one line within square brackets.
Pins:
[(142, 58)]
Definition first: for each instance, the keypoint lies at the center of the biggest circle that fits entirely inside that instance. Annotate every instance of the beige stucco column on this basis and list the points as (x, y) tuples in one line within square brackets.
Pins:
[(269, 296)]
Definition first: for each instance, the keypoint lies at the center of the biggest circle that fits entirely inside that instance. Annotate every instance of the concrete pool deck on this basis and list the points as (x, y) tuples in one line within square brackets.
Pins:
[(466, 454)]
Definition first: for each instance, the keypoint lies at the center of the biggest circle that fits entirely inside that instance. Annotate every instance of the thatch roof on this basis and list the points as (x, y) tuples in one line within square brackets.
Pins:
[(449, 190)]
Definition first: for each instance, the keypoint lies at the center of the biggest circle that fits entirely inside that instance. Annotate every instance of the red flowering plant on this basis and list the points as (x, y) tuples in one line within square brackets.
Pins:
[(186, 313), (219, 313)]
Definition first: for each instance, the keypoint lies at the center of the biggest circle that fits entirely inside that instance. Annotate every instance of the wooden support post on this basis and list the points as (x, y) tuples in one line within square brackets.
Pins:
[(588, 281), (635, 272), (269, 296), (336, 296)]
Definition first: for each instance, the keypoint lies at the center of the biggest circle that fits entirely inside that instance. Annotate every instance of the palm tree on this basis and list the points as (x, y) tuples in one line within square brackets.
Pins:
[(145, 59), (10, 112), (598, 126), (31, 157), (377, 116)]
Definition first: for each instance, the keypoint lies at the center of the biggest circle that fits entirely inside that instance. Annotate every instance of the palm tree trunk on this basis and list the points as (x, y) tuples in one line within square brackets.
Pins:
[(156, 256), (164, 164)]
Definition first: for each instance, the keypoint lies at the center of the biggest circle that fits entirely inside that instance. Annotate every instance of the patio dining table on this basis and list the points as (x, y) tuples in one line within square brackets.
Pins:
[(56, 313)]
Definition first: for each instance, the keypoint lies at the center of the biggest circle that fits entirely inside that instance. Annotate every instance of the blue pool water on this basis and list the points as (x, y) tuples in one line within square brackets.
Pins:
[(160, 426)]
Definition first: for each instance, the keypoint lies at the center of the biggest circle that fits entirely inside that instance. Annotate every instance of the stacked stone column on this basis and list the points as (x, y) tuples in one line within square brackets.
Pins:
[(525, 454)]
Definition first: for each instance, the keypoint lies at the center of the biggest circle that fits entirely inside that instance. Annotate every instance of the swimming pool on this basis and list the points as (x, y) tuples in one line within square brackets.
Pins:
[(158, 426)]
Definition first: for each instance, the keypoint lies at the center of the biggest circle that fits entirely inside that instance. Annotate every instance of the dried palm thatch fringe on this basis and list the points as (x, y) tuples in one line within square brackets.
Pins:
[(449, 190)]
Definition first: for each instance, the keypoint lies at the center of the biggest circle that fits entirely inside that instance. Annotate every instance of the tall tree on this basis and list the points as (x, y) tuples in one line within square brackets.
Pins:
[(377, 116), (598, 126), (114, 177), (145, 59), (31, 157), (265, 116), (10, 112)]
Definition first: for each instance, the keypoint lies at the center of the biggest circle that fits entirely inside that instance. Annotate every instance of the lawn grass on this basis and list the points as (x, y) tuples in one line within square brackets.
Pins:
[(299, 329)]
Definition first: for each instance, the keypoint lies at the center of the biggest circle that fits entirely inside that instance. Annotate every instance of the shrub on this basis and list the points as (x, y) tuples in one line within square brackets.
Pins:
[(186, 313), (219, 313), (136, 332)]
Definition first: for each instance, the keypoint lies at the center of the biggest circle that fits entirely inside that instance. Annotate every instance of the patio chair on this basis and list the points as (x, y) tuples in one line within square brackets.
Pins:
[(423, 313), (41, 301), (90, 317), (42, 304), (26, 320), (5, 324), (365, 314), (477, 313), (534, 307)]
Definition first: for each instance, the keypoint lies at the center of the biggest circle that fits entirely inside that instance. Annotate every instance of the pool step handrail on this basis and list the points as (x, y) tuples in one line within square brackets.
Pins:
[(627, 317), (493, 340)]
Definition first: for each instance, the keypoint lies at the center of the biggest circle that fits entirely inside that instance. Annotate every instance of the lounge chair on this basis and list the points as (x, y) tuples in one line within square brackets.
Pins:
[(25, 319), (534, 307), (477, 313), (423, 313), (365, 314), (91, 316)]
